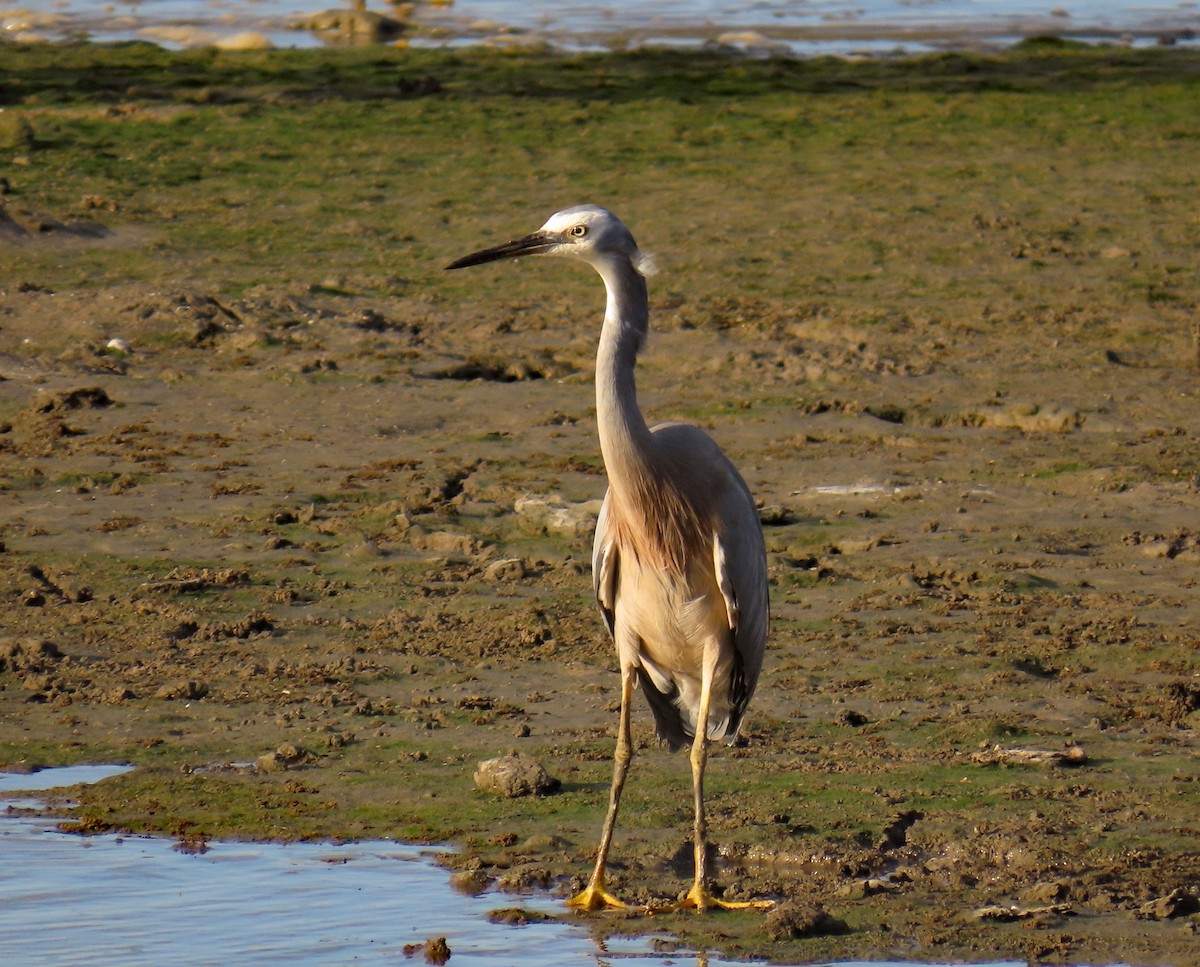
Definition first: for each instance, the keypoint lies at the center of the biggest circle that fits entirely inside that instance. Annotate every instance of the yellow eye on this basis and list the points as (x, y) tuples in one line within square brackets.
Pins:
[(579, 231)]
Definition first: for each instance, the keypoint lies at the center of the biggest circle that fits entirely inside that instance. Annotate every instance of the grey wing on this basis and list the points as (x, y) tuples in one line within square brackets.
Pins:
[(740, 561), (604, 569)]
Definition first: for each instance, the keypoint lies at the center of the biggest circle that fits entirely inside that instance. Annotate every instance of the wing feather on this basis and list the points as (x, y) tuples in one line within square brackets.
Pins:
[(605, 566), (740, 560)]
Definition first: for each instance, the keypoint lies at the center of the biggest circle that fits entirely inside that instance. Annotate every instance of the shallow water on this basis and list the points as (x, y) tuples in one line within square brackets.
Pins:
[(134, 900), (799, 26)]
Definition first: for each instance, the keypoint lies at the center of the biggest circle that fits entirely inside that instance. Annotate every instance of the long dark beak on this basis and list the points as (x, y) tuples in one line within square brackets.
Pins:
[(533, 244)]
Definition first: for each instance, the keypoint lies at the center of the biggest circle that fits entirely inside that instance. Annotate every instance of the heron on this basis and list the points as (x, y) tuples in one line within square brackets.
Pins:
[(678, 561)]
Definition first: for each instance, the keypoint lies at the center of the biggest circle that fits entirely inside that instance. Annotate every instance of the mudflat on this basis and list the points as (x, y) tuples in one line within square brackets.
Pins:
[(299, 524)]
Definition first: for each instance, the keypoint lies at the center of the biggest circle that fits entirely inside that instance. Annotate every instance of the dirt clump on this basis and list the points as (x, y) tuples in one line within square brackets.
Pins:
[(513, 776)]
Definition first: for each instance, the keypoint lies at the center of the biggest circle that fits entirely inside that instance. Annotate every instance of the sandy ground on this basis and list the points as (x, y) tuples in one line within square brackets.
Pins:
[(351, 535)]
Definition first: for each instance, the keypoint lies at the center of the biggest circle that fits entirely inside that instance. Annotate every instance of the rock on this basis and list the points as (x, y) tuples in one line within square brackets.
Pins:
[(870, 886), (775, 515), (436, 951), (1048, 892), (553, 515), (518, 916), (446, 542), (752, 42), (1160, 549), (524, 878), (998, 755), (85, 397), (1013, 913), (509, 569), (851, 718), (183, 35), (284, 757), (23, 652), (470, 882), (1028, 418), (357, 25), (15, 131), (189, 690), (246, 40), (793, 920), (1177, 903), (512, 776)]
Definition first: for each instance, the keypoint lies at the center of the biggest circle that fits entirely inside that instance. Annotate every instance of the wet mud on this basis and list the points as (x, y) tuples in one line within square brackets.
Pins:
[(309, 551)]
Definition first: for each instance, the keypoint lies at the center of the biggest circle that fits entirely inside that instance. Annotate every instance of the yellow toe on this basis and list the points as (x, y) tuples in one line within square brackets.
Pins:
[(700, 900), (595, 897)]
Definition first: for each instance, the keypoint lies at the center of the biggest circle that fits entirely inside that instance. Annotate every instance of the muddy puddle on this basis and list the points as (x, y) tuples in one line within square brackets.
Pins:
[(141, 900)]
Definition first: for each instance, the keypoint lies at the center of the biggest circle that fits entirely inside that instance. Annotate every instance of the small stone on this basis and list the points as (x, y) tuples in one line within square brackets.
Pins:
[(554, 515), (270, 762), (512, 776), (470, 882), (1048, 892), (437, 951), (1177, 903), (23, 651), (189, 690), (794, 920), (858, 889), (509, 569), (246, 40), (15, 131), (447, 542), (285, 756), (775, 515), (851, 718)]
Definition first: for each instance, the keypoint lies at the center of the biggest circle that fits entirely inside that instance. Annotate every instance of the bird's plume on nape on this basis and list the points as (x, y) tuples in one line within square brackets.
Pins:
[(645, 263)]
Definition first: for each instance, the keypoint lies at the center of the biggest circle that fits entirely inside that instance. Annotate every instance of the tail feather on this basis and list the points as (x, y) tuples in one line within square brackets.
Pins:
[(675, 728), (668, 722)]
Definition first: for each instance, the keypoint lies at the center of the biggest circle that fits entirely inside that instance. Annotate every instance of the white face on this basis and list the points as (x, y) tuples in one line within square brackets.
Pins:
[(589, 232), (580, 229), (563, 222)]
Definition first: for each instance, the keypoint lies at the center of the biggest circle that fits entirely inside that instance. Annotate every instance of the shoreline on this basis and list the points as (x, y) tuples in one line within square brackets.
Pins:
[(430, 26)]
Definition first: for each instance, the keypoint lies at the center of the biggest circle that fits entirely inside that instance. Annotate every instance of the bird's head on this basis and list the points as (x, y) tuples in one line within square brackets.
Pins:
[(585, 232)]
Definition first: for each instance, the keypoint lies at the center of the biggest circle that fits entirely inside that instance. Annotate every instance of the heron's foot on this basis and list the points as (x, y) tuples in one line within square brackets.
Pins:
[(700, 900), (595, 897)]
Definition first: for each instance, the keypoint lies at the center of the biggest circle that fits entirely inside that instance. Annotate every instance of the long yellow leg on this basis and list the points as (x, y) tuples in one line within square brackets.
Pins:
[(595, 896), (698, 898)]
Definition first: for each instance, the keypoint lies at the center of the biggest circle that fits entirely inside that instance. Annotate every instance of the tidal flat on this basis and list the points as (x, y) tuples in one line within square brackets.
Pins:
[(261, 460)]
